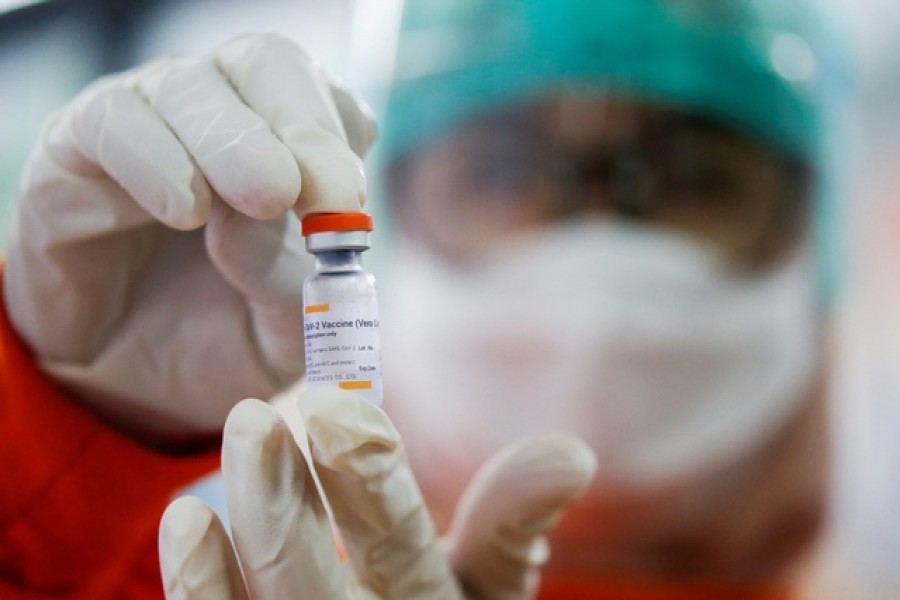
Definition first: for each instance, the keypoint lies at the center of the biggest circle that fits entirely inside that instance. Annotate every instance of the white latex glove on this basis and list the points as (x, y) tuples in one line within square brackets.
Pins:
[(155, 263), (283, 538)]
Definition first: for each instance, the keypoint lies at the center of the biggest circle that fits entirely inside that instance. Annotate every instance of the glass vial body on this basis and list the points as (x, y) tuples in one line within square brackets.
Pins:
[(340, 317)]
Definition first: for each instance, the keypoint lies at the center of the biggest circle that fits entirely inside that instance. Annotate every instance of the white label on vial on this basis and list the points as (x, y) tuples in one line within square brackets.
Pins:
[(343, 347)]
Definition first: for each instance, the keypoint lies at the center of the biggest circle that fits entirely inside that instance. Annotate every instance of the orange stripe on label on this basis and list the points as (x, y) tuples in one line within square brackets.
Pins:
[(355, 385), (314, 308)]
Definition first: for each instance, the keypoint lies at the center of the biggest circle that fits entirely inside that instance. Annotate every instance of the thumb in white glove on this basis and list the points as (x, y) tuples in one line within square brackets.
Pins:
[(283, 537), (155, 263)]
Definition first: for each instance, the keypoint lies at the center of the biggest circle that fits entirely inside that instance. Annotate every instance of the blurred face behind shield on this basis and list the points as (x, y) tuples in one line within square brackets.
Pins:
[(603, 215)]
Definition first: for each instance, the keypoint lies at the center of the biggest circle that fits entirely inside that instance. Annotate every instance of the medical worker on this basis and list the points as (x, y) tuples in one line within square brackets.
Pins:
[(606, 217), (603, 217)]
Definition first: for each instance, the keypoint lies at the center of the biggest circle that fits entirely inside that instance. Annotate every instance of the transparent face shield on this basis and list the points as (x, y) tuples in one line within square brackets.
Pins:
[(635, 275)]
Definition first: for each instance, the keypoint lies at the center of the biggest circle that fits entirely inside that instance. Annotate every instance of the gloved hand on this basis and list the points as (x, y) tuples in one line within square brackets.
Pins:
[(283, 538), (155, 263)]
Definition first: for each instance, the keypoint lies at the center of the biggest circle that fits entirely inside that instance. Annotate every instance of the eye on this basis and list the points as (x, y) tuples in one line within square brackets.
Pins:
[(499, 162), (498, 170), (701, 164)]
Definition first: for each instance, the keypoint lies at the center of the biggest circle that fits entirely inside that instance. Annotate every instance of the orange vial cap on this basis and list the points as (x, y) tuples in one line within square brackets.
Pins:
[(328, 222)]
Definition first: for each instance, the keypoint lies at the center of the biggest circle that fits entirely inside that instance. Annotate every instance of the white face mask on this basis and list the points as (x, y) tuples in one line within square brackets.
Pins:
[(637, 341)]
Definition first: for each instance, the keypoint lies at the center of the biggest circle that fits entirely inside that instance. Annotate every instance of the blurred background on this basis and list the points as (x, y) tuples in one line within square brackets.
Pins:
[(49, 50)]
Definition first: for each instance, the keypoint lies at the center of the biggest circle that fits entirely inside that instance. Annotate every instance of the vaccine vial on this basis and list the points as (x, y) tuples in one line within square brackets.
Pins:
[(340, 308)]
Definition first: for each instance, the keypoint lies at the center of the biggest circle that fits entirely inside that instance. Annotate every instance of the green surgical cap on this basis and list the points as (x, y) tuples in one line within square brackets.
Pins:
[(749, 64), (758, 66)]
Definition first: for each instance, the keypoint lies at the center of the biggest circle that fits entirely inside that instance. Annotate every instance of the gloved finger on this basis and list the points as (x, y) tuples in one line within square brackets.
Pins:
[(376, 503), (111, 127), (358, 118), (496, 540), (195, 554), (286, 87), (281, 530), (243, 160), (267, 262)]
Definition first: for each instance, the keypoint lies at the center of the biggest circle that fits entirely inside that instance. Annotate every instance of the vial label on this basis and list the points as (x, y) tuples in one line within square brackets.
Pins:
[(343, 347)]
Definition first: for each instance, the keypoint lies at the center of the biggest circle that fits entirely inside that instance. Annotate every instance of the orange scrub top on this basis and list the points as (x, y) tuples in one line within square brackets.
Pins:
[(79, 503)]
